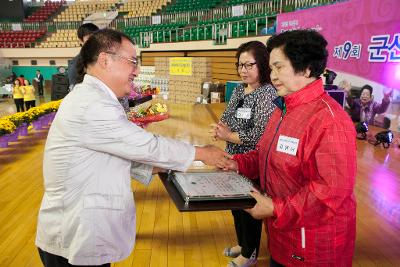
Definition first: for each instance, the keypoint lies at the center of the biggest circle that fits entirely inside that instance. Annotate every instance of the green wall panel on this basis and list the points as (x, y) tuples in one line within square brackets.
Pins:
[(30, 71)]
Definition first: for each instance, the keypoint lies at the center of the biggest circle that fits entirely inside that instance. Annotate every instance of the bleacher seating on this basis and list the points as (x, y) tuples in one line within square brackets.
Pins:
[(237, 2), (19, 39), (182, 20), (138, 8), (45, 11), (242, 26), (248, 25), (61, 38), (161, 33), (80, 10), (191, 5)]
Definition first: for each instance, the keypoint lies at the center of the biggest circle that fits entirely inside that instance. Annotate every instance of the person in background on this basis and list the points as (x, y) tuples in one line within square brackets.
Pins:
[(241, 126), (10, 79), (124, 101), (39, 79), (29, 95), (61, 70), (365, 108), (18, 95), (306, 161), (21, 79), (87, 215), (13, 77), (84, 32)]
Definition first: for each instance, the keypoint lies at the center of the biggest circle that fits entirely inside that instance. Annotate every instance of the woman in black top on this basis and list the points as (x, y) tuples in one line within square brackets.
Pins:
[(241, 126)]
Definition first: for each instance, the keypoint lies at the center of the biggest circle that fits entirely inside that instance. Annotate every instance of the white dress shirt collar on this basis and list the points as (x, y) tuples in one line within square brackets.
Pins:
[(92, 79)]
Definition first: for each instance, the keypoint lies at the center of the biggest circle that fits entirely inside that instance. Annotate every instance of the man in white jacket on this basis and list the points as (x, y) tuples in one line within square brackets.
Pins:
[(87, 216)]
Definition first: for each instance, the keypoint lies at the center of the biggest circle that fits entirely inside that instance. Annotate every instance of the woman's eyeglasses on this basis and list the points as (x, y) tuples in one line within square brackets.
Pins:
[(247, 66)]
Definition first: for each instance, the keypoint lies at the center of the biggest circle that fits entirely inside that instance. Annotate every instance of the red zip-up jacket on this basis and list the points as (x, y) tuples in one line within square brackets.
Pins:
[(306, 161)]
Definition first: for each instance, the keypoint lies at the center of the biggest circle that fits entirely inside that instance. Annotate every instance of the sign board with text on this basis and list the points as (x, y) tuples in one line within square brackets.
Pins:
[(363, 36), (180, 66)]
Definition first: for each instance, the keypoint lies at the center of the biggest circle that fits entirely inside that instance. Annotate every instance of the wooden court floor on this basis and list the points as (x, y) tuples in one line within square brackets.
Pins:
[(166, 237)]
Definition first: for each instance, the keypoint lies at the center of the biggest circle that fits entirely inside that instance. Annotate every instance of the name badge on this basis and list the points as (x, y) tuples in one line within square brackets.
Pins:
[(243, 113), (287, 145)]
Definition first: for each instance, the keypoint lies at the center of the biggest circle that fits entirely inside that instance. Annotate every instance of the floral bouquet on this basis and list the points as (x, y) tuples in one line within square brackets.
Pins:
[(153, 113)]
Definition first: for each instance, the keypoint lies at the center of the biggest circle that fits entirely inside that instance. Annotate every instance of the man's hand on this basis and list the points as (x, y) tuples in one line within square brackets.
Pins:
[(264, 207), (211, 155), (157, 170)]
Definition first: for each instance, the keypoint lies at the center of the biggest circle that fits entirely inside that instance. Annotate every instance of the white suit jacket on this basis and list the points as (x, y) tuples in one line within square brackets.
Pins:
[(87, 213)]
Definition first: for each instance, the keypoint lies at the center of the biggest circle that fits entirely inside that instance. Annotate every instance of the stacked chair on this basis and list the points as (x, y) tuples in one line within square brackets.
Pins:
[(61, 38), (139, 8), (45, 11), (19, 39)]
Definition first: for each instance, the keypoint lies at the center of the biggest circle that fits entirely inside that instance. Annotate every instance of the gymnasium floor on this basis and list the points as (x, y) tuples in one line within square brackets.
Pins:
[(166, 237)]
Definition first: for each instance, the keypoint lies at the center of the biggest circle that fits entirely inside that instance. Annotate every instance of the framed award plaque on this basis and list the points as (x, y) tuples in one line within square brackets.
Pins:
[(205, 191)]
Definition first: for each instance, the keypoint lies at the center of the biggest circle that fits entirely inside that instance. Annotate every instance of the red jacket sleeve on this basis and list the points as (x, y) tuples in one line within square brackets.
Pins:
[(332, 170), (248, 164)]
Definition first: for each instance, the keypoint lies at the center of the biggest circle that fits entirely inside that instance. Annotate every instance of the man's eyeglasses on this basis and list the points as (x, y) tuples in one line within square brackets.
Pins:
[(133, 62), (247, 66)]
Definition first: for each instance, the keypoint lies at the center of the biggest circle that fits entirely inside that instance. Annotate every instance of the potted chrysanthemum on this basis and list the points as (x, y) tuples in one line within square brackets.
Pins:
[(6, 128)]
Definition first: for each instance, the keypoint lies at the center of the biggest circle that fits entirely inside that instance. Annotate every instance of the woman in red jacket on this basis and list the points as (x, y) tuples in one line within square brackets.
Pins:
[(306, 161)]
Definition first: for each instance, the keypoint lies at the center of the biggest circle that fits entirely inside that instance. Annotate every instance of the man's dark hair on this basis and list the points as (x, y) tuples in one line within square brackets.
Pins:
[(106, 40), (86, 29), (261, 55), (368, 87), (38, 70), (305, 49)]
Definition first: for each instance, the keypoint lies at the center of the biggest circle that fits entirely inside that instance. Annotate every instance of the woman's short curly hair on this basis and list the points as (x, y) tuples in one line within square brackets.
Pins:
[(259, 51), (306, 49), (367, 87)]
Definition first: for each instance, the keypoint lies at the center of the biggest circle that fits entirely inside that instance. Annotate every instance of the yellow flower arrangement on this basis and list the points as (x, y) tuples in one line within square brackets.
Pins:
[(28, 116), (6, 127), (35, 113), (51, 106), (25, 117), (17, 118)]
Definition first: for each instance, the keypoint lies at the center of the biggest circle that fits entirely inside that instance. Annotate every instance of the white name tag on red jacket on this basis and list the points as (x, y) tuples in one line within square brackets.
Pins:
[(287, 145)]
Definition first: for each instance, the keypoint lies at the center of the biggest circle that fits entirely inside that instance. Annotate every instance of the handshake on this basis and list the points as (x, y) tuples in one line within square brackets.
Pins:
[(214, 156)]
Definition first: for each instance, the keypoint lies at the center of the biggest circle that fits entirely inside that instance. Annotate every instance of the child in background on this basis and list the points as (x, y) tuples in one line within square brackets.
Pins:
[(29, 95), (18, 96)]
